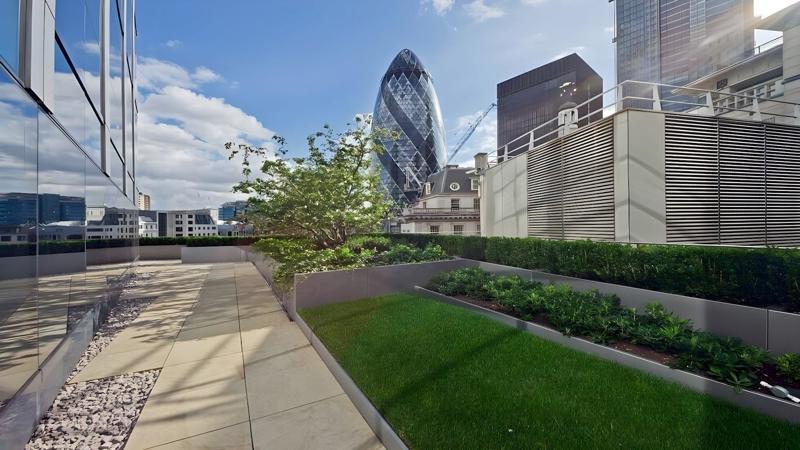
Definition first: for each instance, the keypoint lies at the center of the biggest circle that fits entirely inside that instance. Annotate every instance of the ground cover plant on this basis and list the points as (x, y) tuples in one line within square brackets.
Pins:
[(444, 377), (761, 277), (601, 318), (296, 255)]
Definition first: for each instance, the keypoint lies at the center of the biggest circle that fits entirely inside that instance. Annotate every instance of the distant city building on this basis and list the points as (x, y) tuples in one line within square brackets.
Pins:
[(147, 227), (678, 41), (186, 223), (23, 208), (232, 210), (233, 228), (534, 98), (407, 105), (111, 223), (448, 203), (143, 201)]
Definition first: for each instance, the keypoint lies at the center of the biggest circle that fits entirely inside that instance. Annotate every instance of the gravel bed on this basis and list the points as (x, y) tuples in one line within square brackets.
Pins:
[(96, 414)]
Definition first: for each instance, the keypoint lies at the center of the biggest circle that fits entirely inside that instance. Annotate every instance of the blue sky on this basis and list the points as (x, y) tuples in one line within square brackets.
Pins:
[(290, 66)]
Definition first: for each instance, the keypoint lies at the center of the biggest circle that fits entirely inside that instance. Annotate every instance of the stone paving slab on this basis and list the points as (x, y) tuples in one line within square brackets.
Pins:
[(236, 372)]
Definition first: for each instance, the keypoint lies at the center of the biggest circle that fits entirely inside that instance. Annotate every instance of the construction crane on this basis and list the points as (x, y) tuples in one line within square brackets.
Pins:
[(470, 130)]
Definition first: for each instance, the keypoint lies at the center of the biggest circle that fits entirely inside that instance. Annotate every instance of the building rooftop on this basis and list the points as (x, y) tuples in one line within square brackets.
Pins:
[(442, 182)]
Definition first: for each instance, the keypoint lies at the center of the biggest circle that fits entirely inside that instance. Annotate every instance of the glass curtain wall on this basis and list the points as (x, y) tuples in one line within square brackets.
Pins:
[(68, 230)]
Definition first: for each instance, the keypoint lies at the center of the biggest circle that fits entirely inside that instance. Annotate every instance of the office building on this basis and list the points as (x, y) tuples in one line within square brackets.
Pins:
[(231, 210), (143, 201), (447, 204), (533, 99), (675, 42), (407, 105), (186, 223), (67, 140)]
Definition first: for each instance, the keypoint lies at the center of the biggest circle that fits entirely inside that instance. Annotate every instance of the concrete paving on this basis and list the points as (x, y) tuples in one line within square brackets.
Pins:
[(235, 372)]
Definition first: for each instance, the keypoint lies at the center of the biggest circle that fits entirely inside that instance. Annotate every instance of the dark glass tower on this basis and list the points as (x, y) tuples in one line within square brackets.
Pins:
[(407, 104), (678, 41)]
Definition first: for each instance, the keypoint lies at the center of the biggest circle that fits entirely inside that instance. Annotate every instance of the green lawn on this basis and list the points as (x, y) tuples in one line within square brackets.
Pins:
[(446, 378)]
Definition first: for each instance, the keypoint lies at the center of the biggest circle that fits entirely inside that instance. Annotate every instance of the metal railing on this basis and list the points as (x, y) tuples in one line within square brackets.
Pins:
[(768, 45), (754, 104), (441, 211)]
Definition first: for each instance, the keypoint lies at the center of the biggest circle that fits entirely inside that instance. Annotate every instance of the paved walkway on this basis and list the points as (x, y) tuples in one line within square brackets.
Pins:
[(236, 373)]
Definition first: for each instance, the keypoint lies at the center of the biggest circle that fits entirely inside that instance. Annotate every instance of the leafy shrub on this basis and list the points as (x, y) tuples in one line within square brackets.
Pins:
[(748, 276), (601, 318), (369, 242), (789, 366), (199, 241)]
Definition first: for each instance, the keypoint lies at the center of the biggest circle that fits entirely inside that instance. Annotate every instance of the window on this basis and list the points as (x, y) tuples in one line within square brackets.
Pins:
[(458, 229), (427, 188), (455, 204), (5, 238), (191, 228), (434, 229), (179, 228), (473, 184), (455, 186), (9, 34), (476, 203), (424, 205)]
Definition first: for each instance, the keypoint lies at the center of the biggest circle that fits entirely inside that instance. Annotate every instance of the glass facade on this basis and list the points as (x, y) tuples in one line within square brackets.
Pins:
[(407, 104), (678, 41), (9, 33), (54, 195)]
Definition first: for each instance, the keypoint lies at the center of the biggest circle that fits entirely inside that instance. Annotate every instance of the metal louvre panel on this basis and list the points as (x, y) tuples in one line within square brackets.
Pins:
[(545, 193), (588, 180), (571, 185), (742, 183), (783, 185), (691, 185)]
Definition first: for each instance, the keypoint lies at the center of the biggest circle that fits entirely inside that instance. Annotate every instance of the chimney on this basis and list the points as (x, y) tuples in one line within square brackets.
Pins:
[(481, 162)]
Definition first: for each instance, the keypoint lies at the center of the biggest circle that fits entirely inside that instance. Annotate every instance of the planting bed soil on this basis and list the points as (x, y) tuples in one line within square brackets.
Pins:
[(446, 377)]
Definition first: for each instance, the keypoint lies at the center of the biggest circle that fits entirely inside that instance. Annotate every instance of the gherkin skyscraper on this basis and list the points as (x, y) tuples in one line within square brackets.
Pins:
[(407, 105)]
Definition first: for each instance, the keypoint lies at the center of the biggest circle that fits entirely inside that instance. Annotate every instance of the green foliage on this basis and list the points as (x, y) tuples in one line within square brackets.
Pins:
[(324, 197), (297, 255), (789, 366), (755, 277), (600, 317), (446, 378), (375, 243), (198, 241)]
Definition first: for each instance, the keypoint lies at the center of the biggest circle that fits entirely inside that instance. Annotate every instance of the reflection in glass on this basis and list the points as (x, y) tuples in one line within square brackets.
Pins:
[(78, 28), (9, 33), (116, 115), (61, 229), (73, 109), (18, 220)]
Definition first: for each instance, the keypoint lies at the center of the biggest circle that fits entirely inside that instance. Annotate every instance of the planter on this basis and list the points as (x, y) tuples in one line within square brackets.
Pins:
[(778, 332), (771, 406), (222, 254), (159, 252)]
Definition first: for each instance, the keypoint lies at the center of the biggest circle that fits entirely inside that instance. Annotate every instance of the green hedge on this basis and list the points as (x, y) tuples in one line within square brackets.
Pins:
[(755, 277), (200, 241)]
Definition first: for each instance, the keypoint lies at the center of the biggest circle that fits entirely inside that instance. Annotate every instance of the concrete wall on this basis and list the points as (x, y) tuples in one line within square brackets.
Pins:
[(196, 255), (323, 288), (504, 199), (159, 252), (639, 178)]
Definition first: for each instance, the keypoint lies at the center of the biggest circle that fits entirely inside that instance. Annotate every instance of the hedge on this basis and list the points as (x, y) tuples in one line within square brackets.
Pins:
[(760, 277), (200, 241)]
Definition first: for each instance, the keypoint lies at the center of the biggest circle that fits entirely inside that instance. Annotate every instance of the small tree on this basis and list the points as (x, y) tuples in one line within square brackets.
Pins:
[(324, 197)]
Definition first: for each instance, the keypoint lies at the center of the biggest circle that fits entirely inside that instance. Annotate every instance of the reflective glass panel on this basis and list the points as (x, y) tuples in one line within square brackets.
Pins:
[(116, 115), (72, 108), (78, 28), (9, 33)]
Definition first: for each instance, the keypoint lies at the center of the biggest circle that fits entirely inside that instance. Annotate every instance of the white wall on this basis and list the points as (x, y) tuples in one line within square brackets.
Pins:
[(504, 199)]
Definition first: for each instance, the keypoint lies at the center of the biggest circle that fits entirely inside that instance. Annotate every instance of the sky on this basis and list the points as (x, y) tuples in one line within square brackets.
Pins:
[(212, 72)]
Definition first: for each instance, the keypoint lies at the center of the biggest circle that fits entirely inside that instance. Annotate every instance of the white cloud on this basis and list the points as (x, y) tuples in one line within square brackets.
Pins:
[(479, 11), (608, 30), (172, 43), (441, 7), (534, 2), (577, 49), (155, 74), (205, 75)]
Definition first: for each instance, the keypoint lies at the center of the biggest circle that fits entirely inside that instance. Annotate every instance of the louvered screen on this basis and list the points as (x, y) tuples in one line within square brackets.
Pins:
[(571, 185), (742, 183), (690, 163), (588, 182), (545, 192), (783, 185)]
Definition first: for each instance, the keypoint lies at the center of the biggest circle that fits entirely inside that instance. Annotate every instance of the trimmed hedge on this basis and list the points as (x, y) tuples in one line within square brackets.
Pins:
[(759, 277), (200, 241)]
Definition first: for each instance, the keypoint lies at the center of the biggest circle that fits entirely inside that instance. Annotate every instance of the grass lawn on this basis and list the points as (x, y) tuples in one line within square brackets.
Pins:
[(447, 378)]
